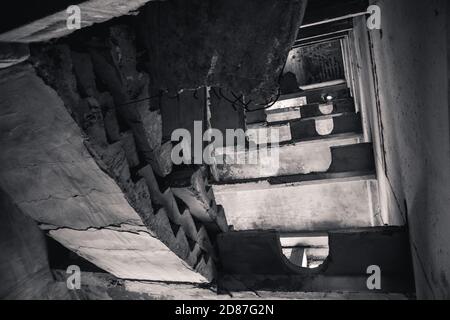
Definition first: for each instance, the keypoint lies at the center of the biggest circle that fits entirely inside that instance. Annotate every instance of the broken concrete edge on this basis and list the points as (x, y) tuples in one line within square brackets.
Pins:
[(122, 227)]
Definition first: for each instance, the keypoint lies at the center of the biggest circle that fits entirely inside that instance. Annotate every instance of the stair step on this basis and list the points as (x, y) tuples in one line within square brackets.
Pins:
[(190, 185), (311, 96), (305, 129), (340, 201), (279, 116), (299, 158)]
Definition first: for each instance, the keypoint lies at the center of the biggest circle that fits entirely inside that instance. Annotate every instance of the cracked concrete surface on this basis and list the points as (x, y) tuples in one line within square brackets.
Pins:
[(48, 172)]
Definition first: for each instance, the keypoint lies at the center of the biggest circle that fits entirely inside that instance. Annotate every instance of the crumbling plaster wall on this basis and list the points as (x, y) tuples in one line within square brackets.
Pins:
[(410, 54)]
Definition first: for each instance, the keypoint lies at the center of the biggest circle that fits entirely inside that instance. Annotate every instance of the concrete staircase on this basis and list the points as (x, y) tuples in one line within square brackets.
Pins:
[(323, 177)]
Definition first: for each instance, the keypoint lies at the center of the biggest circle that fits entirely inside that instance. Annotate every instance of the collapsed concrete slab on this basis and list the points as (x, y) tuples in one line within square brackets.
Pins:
[(127, 253)]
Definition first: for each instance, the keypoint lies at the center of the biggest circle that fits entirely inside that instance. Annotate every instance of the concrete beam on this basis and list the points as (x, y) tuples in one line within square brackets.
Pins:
[(55, 25)]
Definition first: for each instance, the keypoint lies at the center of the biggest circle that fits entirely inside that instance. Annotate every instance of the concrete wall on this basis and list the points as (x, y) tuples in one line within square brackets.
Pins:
[(24, 268), (410, 54), (48, 172), (365, 99)]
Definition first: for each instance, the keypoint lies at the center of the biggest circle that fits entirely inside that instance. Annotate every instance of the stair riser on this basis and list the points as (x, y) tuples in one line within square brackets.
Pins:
[(293, 159), (309, 207)]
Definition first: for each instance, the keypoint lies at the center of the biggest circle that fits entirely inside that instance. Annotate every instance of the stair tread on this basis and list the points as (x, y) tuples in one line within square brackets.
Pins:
[(305, 179)]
